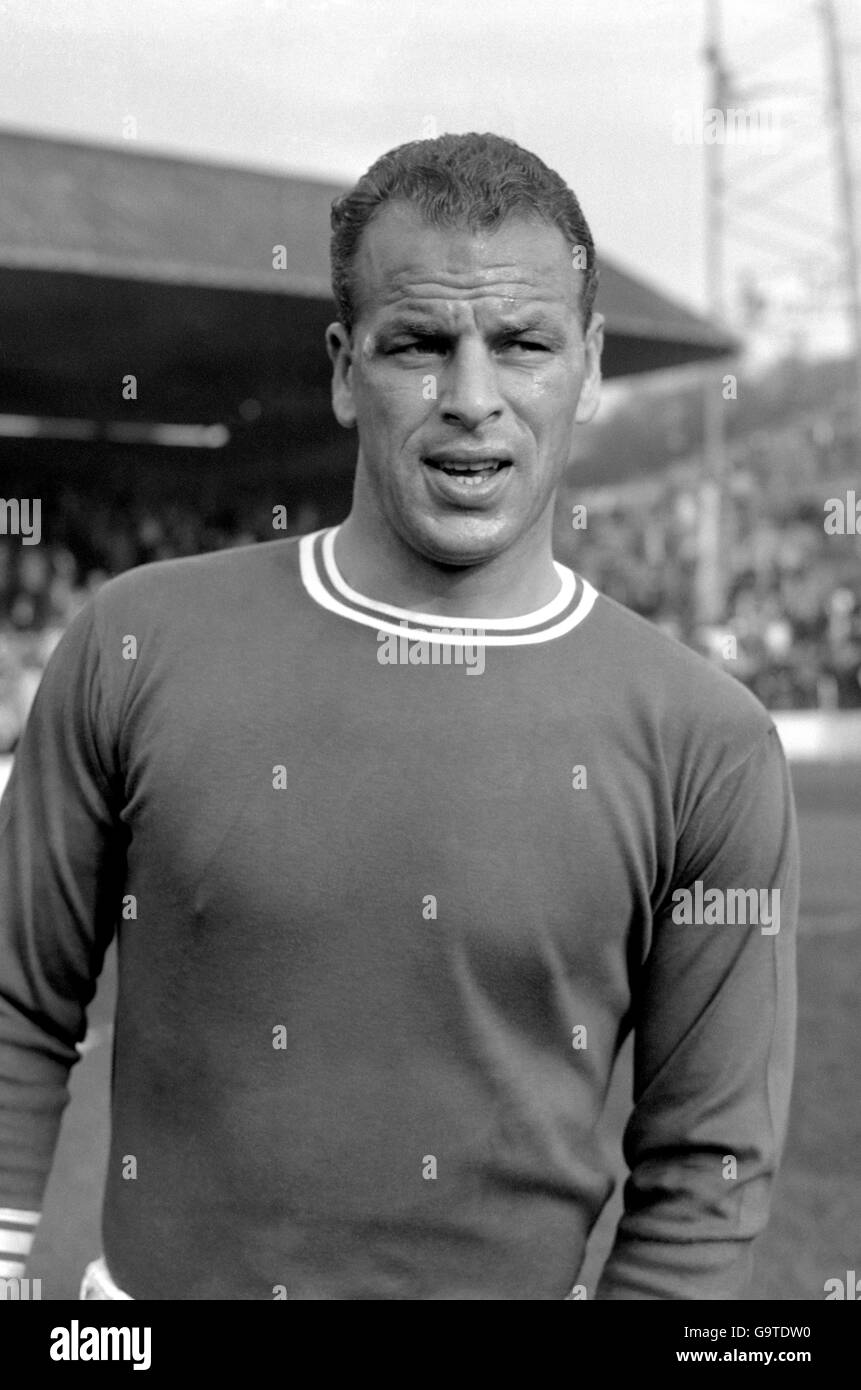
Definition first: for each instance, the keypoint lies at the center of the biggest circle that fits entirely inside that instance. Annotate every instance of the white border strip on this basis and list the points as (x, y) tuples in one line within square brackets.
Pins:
[(820, 736), (9, 1216), (15, 1242)]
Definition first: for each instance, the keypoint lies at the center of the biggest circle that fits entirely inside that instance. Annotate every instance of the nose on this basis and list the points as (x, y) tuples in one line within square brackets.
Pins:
[(470, 389)]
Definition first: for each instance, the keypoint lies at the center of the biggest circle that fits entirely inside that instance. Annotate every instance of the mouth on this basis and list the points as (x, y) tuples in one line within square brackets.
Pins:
[(468, 471)]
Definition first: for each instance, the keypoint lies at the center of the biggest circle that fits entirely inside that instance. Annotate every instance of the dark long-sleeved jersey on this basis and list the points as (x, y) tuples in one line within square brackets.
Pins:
[(390, 890)]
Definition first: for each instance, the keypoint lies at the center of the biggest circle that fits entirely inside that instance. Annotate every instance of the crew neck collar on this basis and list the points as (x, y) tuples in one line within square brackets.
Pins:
[(325, 584)]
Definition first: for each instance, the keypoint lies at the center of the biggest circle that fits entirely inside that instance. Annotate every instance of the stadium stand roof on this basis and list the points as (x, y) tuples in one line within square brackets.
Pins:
[(116, 262)]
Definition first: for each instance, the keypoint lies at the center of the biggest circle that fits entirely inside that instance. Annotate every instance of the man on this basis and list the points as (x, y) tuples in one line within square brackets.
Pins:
[(386, 911)]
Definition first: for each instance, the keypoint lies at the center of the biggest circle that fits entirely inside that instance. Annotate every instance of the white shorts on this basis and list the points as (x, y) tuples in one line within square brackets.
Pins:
[(97, 1283)]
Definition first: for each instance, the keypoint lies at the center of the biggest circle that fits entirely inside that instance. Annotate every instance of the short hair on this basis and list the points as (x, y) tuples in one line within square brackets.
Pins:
[(470, 180)]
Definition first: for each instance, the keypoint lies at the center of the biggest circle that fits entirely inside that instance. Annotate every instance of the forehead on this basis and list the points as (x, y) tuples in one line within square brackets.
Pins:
[(405, 262)]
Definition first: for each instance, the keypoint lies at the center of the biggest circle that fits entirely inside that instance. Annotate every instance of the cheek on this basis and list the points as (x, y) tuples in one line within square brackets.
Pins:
[(390, 403), (548, 405), (556, 388)]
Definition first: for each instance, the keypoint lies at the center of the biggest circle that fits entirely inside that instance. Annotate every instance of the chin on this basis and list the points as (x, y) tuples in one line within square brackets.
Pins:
[(456, 541)]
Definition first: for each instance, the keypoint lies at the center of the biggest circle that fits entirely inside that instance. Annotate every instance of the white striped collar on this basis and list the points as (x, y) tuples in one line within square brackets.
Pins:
[(325, 584)]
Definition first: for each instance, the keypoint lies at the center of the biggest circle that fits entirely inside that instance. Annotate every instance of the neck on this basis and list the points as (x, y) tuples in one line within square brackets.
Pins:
[(376, 562)]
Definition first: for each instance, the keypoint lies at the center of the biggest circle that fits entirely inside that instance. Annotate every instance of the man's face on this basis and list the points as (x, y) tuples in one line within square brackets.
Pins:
[(466, 373)]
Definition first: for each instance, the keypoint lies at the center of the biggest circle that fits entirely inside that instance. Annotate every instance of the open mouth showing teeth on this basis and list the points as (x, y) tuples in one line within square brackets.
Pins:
[(470, 473)]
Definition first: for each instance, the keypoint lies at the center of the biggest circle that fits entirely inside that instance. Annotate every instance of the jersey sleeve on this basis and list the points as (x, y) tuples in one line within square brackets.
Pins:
[(714, 1044), (61, 867)]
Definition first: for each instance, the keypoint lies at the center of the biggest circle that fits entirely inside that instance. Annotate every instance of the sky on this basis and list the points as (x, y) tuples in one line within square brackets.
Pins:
[(610, 94)]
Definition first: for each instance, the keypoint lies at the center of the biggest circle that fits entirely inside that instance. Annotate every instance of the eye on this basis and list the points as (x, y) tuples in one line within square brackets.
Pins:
[(420, 346), (527, 344)]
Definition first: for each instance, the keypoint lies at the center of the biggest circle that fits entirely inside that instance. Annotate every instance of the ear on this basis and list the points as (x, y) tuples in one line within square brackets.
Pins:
[(339, 348), (590, 391)]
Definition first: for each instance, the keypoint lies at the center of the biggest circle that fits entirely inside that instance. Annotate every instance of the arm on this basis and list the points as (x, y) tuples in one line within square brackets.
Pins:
[(61, 870), (714, 1020)]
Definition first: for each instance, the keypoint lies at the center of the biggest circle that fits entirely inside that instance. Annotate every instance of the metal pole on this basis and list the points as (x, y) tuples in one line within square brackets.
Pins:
[(710, 579), (846, 195)]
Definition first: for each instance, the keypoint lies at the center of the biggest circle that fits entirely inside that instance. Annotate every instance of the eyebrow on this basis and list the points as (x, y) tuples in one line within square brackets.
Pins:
[(421, 326), (413, 323)]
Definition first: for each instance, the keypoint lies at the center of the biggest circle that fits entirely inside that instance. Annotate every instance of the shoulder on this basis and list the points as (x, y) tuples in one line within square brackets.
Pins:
[(671, 678), (185, 598), (690, 722), (200, 576)]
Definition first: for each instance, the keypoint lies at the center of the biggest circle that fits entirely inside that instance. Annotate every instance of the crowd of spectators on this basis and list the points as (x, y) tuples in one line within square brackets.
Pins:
[(789, 625)]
